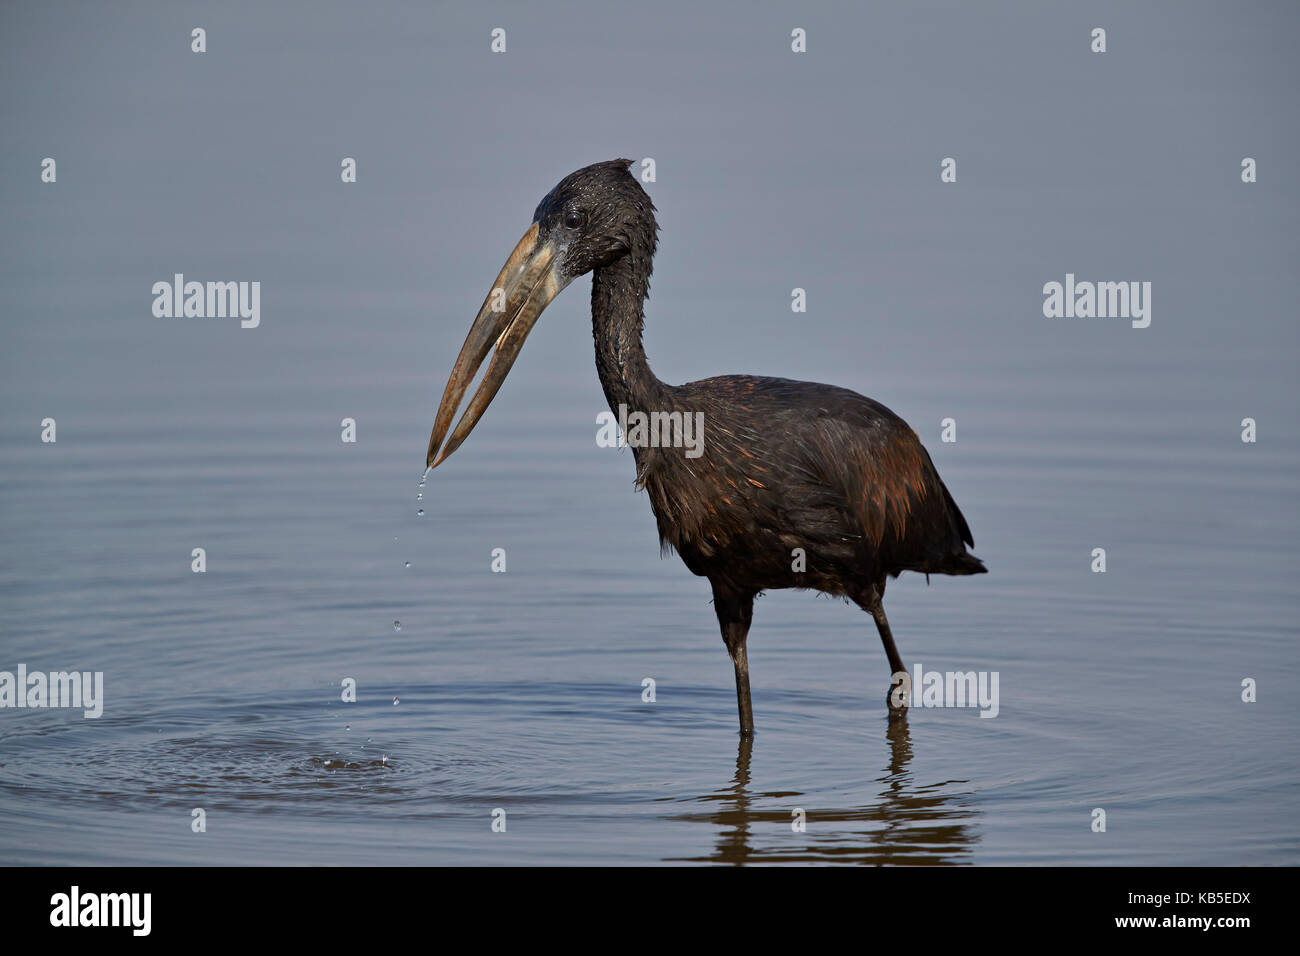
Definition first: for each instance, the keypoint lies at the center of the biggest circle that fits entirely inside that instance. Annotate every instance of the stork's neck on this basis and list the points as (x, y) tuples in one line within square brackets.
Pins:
[(618, 293)]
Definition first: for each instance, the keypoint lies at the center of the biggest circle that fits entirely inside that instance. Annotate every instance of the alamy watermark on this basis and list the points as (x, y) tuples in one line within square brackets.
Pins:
[(84, 689), (1102, 300), (208, 300), (652, 430), (947, 689), (75, 908)]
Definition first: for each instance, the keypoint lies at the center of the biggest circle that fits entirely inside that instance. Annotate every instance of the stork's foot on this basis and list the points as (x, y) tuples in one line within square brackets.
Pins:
[(897, 710)]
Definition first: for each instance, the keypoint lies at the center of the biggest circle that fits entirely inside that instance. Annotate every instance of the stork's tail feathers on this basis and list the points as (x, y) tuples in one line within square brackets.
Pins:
[(964, 563)]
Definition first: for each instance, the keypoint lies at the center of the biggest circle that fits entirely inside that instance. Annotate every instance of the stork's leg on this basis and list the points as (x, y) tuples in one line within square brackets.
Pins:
[(735, 612), (873, 604)]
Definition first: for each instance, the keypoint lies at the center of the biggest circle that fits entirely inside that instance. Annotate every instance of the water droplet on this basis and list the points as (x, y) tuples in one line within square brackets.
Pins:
[(385, 758), (419, 496), (348, 727), (397, 625), (420, 513), (396, 701), (408, 564)]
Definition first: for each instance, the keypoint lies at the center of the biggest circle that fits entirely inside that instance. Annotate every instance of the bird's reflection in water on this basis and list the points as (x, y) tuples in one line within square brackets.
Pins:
[(909, 825)]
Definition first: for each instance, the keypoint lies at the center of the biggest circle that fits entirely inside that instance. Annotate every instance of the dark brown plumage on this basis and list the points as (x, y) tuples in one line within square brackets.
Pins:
[(786, 468)]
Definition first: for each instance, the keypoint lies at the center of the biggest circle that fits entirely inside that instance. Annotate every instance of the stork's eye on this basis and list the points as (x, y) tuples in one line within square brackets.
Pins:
[(575, 219)]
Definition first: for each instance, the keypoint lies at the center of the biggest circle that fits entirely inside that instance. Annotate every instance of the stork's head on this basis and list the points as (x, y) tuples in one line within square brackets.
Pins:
[(594, 216), (590, 220)]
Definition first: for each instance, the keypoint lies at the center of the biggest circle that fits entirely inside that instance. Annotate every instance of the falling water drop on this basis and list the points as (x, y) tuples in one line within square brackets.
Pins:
[(408, 564), (397, 625), (419, 496), (420, 513), (396, 701)]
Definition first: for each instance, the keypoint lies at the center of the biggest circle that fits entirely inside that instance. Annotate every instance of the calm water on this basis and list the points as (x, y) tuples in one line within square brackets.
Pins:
[(522, 690)]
